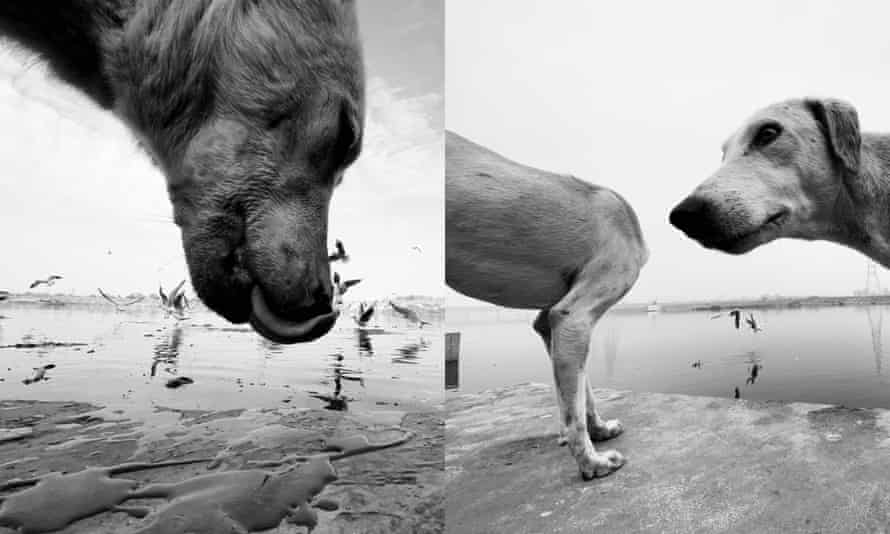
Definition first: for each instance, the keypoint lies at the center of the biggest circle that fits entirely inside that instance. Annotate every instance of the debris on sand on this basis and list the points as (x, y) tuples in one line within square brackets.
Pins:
[(39, 374), (4, 295), (178, 382), (56, 500)]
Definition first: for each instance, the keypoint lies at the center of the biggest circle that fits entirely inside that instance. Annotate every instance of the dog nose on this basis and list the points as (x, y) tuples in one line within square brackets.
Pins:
[(691, 216)]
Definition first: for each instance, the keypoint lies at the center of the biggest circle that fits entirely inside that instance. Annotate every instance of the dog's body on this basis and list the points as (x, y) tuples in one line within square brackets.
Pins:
[(253, 110), (526, 238), (798, 169)]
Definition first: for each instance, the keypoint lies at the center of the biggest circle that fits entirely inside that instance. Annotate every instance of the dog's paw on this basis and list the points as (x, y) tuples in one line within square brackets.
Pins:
[(601, 464), (610, 429)]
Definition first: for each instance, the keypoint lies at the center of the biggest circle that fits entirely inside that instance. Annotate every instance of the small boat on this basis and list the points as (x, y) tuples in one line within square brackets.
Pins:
[(653, 308)]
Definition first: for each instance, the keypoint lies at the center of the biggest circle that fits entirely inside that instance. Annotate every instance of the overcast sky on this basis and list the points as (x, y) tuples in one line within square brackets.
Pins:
[(639, 97), (73, 186)]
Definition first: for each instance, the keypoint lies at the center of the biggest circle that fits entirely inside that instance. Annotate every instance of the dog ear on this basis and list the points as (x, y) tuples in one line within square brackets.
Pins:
[(840, 125)]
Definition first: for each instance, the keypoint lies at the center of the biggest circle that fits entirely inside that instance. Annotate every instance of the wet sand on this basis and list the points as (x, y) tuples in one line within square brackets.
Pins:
[(393, 490)]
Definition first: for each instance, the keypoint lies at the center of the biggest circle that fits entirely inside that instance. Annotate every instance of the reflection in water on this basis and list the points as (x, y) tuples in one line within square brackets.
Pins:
[(364, 342), (409, 353), (337, 400), (270, 346), (875, 316), (166, 351), (452, 374)]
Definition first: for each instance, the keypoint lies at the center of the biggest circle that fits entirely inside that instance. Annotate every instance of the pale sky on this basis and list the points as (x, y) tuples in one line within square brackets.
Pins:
[(639, 96), (73, 185)]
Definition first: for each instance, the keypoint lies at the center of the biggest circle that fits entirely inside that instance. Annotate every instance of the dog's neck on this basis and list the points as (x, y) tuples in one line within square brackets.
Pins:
[(69, 36), (862, 213)]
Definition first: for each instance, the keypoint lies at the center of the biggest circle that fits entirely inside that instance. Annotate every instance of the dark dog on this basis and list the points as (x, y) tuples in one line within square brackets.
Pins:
[(253, 110)]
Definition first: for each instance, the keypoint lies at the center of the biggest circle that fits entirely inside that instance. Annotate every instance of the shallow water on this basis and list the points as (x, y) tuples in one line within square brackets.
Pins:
[(129, 357), (823, 355)]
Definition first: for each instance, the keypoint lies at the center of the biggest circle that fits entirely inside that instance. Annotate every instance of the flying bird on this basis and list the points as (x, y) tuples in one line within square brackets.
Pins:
[(364, 314), (49, 281), (755, 369), (408, 313), (736, 315), (118, 305), (752, 323), (340, 253), (343, 286), (415, 247), (39, 374), (175, 303)]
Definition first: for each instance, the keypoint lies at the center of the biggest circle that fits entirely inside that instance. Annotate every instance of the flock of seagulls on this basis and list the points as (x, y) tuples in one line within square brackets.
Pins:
[(736, 316), (364, 312), (737, 320)]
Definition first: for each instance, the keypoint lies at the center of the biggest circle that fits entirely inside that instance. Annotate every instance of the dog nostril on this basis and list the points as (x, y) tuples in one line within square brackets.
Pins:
[(689, 213)]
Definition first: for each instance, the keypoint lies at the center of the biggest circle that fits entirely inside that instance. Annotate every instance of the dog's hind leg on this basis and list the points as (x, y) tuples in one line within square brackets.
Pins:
[(597, 288)]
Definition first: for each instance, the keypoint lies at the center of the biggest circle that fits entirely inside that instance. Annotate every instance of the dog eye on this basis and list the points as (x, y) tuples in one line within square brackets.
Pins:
[(766, 135)]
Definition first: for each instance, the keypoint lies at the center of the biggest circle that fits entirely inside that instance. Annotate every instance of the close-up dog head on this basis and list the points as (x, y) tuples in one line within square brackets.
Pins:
[(253, 110), (784, 172)]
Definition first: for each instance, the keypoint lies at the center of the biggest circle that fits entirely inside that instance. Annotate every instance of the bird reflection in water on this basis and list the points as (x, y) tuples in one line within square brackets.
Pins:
[(364, 342), (337, 400), (166, 351), (410, 352)]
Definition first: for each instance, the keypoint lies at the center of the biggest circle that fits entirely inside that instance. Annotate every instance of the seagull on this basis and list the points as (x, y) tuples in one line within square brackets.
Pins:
[(51, 280), (408, 313), (754, 370), (39, 374), (340, 288), (174, 303), (752, 323), (697, 364), (340, 254), (738, 394), (364, 314), (736, 314), (117, 304), (343, 286)]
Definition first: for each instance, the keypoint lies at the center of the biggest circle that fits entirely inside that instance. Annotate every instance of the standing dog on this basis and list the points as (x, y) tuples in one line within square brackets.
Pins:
[(253, 110), (525, 238), (798, 169)]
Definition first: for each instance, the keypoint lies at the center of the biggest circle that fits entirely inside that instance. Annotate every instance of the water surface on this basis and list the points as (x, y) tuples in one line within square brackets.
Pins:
[(129, 356), (824, 355)]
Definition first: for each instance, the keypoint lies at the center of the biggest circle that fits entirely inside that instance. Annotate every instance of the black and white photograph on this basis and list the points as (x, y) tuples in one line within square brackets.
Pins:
[(666, 252), (222, 275), (444, 266)]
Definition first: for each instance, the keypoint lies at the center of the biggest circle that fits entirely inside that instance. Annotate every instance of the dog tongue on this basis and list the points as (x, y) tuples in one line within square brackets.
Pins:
[(282, 330)]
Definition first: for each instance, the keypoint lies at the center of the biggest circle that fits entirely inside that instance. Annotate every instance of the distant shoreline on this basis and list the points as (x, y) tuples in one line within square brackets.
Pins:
[(774, 303)]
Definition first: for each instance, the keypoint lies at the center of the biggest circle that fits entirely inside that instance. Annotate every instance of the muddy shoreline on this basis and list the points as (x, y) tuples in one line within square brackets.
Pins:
[(393, 490)]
